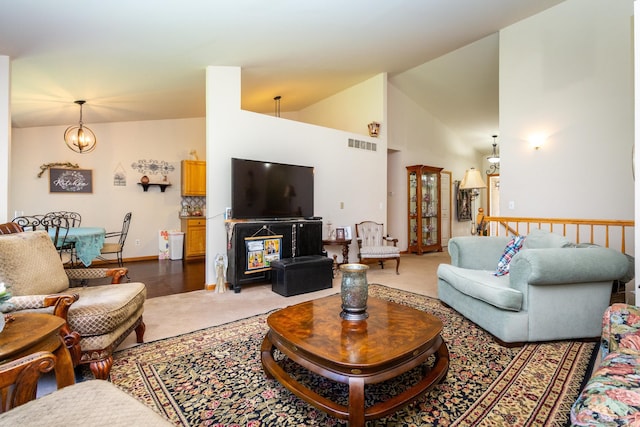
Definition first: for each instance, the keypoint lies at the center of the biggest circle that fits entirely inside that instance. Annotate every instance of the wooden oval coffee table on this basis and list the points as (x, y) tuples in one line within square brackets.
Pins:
[(393, 340)]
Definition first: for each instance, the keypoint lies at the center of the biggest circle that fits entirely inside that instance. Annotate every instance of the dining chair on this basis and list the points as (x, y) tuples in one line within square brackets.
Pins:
[(116, 247), (30, 222), (74, 218), (56, 226), (68, 219)]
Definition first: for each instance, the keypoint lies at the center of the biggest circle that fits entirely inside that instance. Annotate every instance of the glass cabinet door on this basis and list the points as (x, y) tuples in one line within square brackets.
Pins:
[(430, 209), (413, 208), (424, 209)]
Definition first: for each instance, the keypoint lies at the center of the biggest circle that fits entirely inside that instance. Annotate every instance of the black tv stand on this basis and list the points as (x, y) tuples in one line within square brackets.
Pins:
[(300, 237)]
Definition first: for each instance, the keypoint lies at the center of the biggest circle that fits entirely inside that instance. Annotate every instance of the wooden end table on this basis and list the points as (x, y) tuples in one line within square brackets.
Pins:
[(393, 340), (345, 250), (29, 333)]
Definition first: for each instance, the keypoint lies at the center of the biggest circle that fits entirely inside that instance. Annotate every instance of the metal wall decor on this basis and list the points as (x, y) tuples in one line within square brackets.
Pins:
[(463, 203), (153, 167)]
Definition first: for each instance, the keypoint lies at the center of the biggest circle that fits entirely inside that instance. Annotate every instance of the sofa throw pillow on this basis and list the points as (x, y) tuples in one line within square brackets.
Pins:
[(510, 250), (30, 264), (543, 239)]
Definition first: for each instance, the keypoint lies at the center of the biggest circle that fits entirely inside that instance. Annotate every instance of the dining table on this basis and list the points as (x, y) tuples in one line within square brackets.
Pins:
[(88, 242)]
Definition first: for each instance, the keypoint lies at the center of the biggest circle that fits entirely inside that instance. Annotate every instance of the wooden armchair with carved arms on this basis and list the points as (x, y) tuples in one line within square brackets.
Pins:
[(372, 244), (98, 317), (87, 403)]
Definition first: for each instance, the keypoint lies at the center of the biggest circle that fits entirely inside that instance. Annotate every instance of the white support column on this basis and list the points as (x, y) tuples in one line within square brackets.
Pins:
[(5, 135), (636, 36)]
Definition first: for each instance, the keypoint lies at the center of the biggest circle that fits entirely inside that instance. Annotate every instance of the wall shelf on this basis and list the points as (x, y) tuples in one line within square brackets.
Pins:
[(163, 187)]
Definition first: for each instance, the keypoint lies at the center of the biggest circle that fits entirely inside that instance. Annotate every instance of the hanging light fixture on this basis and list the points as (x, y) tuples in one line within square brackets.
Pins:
[(277, 101), (494, 159), (80, 138)]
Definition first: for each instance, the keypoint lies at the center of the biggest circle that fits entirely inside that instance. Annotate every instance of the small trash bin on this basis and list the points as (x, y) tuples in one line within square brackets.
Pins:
[(176, 243)]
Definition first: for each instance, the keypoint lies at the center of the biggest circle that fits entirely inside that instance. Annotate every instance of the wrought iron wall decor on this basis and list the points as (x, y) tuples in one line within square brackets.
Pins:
[(463, 203), (153, 167)]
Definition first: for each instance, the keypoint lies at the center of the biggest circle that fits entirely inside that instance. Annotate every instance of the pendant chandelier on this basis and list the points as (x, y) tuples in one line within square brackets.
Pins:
[(494, 159), (80, 138), (277, 101)]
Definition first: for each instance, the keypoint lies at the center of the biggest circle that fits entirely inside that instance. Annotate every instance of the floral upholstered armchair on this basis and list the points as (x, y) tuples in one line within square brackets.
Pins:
[(98, 317)]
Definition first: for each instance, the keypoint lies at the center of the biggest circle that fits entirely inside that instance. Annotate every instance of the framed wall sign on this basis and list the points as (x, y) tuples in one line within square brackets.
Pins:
[(70, 180)]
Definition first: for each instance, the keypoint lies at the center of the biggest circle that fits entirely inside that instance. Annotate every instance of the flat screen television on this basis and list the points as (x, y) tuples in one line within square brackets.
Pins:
[(268, 190)]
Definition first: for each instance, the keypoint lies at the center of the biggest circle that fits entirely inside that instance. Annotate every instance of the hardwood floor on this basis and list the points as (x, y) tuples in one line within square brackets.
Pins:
[(166, 277)]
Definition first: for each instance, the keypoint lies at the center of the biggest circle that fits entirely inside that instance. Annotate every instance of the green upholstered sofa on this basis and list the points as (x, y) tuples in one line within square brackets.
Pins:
[(554, 289)]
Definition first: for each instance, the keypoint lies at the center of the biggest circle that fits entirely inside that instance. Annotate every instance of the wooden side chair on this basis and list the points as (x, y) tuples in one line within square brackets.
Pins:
[(372, 244)]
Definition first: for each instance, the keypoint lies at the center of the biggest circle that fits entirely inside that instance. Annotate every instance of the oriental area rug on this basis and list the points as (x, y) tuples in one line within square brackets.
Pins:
[(214, 377)]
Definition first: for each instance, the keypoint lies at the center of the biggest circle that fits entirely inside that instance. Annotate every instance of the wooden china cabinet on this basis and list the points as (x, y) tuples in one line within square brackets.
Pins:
[(424, 209)]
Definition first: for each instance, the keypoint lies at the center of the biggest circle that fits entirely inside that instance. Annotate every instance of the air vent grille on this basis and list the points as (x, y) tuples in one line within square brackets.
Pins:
[(362, 145)]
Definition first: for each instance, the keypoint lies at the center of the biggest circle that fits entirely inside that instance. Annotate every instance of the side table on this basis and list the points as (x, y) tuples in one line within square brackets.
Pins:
[(28, 333), (345, 250)]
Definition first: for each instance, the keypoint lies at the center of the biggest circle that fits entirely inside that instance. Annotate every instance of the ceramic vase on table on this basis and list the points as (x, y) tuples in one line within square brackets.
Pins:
[(354, 291)]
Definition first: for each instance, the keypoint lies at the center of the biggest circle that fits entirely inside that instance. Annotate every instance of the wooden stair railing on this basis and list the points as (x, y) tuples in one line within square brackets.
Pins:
[(607, 233)]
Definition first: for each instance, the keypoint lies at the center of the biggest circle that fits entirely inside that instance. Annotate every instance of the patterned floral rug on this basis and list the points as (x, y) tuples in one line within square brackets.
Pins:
[(214, 377)]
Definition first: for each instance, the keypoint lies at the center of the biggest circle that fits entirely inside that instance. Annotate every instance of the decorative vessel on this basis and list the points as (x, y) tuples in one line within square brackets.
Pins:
[(354, 291)]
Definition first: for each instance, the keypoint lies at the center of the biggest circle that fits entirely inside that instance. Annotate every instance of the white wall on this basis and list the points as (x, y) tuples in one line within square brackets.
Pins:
[(567, 73), (636, 9), (352, 109), (345, 175), (119, 145), (417, 137), (5, 135)]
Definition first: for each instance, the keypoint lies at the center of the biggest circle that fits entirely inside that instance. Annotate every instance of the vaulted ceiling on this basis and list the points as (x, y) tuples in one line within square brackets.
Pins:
[(139, 60)]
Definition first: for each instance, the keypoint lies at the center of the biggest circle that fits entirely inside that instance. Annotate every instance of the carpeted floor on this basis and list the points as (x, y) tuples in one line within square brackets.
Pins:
[(214, 377)]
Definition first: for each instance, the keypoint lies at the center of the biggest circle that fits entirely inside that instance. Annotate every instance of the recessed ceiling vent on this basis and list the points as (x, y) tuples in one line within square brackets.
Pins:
[(362, 145)]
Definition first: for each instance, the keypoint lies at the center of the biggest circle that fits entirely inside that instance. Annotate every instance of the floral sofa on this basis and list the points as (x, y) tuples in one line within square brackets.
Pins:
[(612, 394)]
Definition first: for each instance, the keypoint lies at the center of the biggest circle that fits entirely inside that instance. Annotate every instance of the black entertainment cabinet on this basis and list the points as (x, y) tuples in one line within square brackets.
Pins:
[(300, 237)]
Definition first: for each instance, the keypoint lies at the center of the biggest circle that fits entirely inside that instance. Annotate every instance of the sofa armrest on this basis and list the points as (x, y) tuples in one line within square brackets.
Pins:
[(477, 253), (620, 330), (566, 265), (83, 274)]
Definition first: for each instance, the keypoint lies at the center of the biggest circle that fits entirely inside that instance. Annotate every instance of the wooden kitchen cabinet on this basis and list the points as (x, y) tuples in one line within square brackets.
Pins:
[(195, 237), (194, 178)]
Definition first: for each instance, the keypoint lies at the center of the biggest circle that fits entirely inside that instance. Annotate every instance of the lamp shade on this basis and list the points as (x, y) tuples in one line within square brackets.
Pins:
[(472, 180)]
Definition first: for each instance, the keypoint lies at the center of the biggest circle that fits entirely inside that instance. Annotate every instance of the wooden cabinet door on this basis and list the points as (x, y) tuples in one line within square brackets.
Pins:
[(195, 237), (194, 178)]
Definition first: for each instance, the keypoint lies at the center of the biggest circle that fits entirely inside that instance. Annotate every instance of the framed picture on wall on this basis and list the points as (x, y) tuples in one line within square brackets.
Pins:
[(70, 180)]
